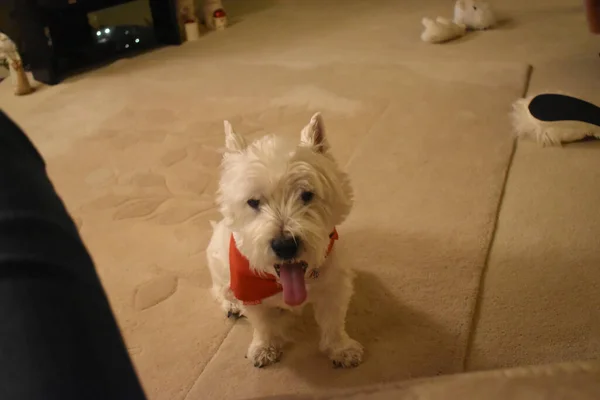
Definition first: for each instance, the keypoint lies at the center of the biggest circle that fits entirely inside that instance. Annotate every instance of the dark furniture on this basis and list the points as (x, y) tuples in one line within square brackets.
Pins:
[(592, 8), (48, 32)]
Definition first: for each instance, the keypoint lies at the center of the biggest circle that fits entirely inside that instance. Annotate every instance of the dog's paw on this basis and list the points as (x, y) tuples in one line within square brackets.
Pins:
[(264, 355), (349, 355), (233, 310)]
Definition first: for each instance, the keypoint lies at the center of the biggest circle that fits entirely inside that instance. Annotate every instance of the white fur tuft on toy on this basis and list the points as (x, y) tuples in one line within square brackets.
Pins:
[(552, 119), (475, 14), (441, 30)]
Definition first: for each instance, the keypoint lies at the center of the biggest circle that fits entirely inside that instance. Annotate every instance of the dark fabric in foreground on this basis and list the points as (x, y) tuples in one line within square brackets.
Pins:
[(58, 337)]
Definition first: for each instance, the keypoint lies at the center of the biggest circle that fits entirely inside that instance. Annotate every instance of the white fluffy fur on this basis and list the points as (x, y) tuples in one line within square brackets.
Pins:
[(475, 14), (546, 133), (441, 30), (277, 171)]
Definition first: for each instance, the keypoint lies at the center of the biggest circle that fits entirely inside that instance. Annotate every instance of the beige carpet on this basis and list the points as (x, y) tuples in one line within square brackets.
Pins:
[(578, 380), (540, 298), (133, 150), (428, 177), (428, 168)]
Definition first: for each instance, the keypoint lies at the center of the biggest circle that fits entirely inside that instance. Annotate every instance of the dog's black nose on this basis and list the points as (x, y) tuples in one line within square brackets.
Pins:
[(285, 248)]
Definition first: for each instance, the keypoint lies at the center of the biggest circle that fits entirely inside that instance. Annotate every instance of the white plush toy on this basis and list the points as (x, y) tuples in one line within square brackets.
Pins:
[(441, 30), (552, 119), (475, 14)]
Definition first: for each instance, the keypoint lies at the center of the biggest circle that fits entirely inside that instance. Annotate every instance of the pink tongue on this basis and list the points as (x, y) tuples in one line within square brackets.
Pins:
[(292, 280)]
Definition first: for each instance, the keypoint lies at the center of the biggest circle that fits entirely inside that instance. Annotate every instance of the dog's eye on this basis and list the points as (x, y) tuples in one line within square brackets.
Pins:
[(254, 203), (307, 196), (474, 8)]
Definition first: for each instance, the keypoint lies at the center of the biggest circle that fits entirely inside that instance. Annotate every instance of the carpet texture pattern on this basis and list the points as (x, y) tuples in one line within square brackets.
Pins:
[(539, 300), (576, 380), (418, 235), (140, 184), (134, 149)]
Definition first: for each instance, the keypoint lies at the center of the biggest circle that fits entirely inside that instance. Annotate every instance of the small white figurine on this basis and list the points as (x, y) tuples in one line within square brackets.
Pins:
[(190, 23), (8, 50), (441, 30), (475, 14), (214, 14)]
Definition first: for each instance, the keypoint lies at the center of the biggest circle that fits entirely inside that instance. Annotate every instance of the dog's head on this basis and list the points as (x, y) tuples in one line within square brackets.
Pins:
[(282, 199)]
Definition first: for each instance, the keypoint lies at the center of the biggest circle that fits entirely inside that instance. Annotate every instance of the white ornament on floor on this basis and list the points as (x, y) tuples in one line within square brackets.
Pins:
[(475, 14), (9, 51), (220, 19), (190, 23), (192, 31), (441, 30), (214, 14)]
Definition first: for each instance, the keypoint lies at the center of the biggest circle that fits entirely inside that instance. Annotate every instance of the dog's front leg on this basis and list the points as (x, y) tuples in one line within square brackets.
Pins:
[(267, 340), (330, 312)]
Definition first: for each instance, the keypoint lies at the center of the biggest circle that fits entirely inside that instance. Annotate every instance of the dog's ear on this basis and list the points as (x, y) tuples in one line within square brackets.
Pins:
[(461, 4), (233, 141), (313, 135)]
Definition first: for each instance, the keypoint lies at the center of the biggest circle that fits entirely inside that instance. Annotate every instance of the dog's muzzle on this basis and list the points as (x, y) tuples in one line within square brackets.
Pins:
[(286, 248), (302, 264)]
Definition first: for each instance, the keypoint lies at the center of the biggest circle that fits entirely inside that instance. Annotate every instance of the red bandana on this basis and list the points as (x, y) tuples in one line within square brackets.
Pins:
[(249, 287)]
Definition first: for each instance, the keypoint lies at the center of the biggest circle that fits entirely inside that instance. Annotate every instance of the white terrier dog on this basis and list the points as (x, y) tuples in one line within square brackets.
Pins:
[(281, 201)]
